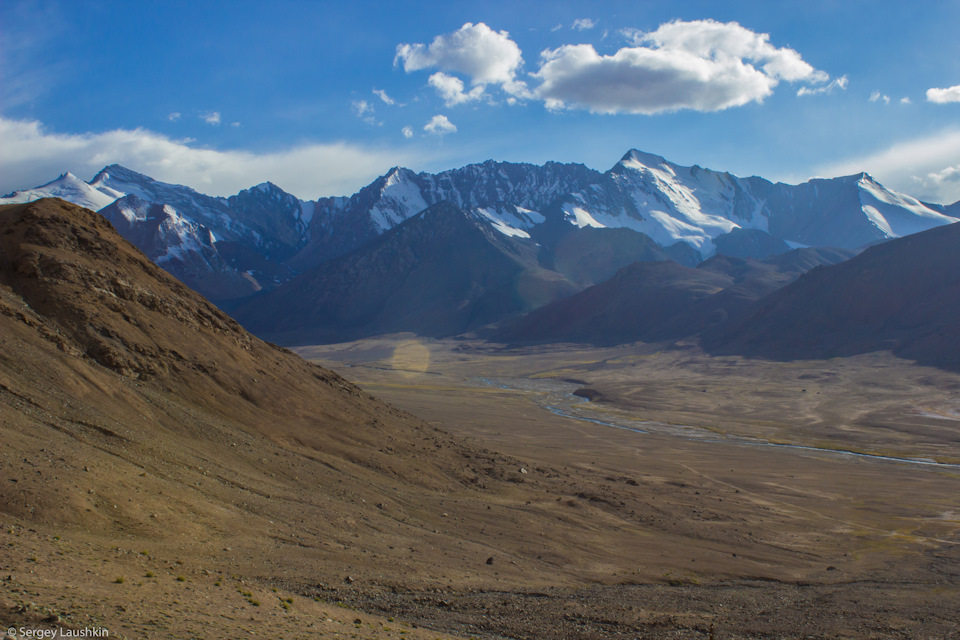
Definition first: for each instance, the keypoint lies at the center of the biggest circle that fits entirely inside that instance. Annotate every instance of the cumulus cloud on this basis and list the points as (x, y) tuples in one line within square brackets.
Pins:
[(173, 117), (904, 100), (31, 156), (407, 132), (211, 117), (837, 83), (876, 96), (926, 168), (451, 89), (942, 96), (439, 125), (702, 65), (582, 24), (486, 56)]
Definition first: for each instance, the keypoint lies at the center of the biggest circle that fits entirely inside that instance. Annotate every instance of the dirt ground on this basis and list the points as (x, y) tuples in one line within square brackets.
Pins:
[(657, 513)]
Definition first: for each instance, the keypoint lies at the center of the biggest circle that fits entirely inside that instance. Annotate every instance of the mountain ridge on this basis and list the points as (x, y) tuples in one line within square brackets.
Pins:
[(263, 236)]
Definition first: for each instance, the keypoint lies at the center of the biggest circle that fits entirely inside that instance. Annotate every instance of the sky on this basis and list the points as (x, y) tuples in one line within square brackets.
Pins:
[(322, 97)]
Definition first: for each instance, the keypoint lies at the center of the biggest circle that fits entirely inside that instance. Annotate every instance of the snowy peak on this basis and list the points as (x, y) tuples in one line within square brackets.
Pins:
[(638, 160), (66, 187), (399, 200), (895, 214)]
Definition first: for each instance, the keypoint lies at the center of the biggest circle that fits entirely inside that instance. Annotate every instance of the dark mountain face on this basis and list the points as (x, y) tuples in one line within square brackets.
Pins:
[(636, 301), (903, 295), (275, 216), (663, 300), (589, 255), (441, 273), (749, 243)]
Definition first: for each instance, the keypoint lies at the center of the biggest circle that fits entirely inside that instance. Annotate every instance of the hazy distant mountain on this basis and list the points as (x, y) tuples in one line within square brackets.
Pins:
[(662, 300), (440, 273), (903, 295)]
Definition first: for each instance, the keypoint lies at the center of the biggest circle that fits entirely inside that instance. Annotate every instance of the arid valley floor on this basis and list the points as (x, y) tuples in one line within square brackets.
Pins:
[(722, 517), (667, 508)]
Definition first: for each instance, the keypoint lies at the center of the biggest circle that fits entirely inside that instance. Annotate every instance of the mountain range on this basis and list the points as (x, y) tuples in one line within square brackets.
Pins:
[(232, 247), (584, 253)]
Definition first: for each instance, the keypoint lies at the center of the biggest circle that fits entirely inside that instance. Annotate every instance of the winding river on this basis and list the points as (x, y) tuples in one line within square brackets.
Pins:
[(557, 397)]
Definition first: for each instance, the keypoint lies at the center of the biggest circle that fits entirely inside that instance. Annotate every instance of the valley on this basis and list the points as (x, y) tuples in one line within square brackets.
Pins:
[(167, 474), (728, 522)]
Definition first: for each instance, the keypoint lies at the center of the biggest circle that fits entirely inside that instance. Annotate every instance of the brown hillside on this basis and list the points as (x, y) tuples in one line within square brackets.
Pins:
[(70, 279), (154, 451)]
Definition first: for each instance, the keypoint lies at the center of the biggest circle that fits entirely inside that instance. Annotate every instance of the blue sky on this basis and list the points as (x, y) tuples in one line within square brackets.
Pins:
[(322, 97)]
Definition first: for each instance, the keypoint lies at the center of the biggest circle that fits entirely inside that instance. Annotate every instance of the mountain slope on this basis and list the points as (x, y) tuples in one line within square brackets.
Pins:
[(132, 409), (67, 274), (440, 273), (903, 295), (662, 300)]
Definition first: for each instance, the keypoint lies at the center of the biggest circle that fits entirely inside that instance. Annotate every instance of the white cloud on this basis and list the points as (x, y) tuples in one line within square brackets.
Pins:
[(582, 24), (451, 89), (926, 168), (31, 156), (876, 96), (837, 83), (486, 56), (380, 93), (439, 125), (365, 111), (702, 65), (557, 27), (407, 132), (211, 117), (942, 96), (173, 117), (904, 100)]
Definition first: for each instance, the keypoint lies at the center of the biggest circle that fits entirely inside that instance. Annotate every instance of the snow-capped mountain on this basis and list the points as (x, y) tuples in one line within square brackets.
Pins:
[(223, 247), (67, 187), (265, 235), (179, 245), (672, 203), (511, 196), (643, 192)]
